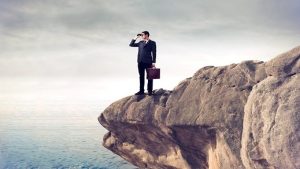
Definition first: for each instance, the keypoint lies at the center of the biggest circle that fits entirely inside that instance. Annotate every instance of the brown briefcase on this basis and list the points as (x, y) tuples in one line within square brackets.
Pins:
[(153, 73)]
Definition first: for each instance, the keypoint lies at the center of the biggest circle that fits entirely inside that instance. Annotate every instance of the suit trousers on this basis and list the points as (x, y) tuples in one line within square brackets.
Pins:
[(142, 67)]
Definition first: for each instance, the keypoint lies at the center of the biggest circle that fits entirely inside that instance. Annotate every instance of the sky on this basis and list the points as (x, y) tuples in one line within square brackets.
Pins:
[(90, 38)]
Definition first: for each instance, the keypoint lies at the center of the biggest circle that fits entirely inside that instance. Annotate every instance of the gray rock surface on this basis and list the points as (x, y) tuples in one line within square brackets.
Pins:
[(242, 115)]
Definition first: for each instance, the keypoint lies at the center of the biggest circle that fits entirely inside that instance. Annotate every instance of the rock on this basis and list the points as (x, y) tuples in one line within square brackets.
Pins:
[(271, 137), (242, 115), (285, 64)]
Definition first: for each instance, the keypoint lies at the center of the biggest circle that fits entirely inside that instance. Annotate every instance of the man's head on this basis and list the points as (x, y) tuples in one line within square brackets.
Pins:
[(145, 35)]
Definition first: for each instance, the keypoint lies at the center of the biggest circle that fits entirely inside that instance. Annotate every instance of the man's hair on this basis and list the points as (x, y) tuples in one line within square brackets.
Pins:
[(146, 33)]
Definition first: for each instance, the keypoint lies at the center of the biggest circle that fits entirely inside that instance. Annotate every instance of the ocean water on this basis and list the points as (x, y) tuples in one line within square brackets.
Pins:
[(52, 123)]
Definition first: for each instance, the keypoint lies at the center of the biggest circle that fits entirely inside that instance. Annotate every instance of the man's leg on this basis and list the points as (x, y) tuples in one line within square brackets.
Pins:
[(150, 86), (142, 76), (150, 81)]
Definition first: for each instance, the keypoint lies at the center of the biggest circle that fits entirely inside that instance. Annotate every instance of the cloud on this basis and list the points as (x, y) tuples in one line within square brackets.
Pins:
[(91, 37)]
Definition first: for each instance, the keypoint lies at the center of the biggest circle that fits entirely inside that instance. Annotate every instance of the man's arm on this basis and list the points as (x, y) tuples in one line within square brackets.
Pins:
[(154, 52), (132, 44)]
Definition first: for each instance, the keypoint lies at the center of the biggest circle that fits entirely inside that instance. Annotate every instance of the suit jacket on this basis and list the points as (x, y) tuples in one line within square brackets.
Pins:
[(145, 50)]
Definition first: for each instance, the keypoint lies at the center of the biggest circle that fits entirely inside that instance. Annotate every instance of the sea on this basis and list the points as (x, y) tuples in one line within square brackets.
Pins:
[(52, 122)]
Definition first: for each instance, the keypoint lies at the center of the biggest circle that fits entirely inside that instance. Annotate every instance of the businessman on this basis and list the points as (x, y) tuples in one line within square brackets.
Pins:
[(146, 58)]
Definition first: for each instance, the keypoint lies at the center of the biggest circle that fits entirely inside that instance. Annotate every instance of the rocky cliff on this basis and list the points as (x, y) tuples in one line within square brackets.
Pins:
[(244, 115)]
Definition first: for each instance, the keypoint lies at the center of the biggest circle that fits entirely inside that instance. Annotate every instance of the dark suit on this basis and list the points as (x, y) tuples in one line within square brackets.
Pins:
[(145, 60)]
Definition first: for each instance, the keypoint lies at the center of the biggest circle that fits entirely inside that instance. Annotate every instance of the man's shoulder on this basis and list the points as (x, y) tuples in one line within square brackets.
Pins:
[(152, 41)]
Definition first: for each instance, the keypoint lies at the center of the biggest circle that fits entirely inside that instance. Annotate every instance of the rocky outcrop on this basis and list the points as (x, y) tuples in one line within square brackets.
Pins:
[(271, 129), (244, 115)]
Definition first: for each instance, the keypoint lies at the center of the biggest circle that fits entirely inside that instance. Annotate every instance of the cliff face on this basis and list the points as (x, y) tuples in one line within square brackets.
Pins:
[(243, 115)]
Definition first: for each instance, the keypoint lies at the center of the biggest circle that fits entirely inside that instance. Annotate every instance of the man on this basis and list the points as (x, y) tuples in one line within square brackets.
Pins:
[(145, 59)]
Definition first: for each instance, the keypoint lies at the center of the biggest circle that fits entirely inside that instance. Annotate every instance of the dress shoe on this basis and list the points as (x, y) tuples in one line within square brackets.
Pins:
[(139, 93), (150, 93)]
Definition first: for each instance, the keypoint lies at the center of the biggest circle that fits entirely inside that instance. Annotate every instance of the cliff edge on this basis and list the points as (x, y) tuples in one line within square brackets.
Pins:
[(240, 116)]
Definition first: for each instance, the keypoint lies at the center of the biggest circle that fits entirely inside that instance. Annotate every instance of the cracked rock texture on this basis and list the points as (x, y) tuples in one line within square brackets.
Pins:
[(242, 116)]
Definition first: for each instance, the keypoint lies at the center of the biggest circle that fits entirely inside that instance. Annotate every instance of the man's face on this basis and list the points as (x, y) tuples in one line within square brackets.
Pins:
[(144, 36)]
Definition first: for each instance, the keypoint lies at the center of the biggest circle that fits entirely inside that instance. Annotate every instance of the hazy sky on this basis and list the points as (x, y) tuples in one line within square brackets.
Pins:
[(90, 38)]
